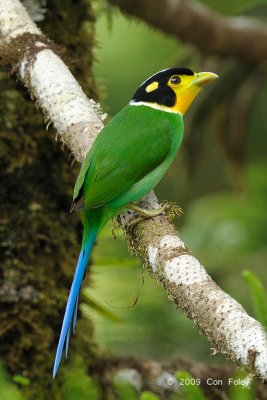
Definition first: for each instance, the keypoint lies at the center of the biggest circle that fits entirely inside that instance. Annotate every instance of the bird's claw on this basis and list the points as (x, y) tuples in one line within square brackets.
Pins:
[(144, 214), (169, 209)]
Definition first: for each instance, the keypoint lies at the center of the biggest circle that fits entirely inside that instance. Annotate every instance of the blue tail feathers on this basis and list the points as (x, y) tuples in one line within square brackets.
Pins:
[(72, 304)]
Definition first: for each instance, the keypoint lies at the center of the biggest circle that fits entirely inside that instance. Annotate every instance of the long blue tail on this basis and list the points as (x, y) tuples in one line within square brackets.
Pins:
[(72, 304)]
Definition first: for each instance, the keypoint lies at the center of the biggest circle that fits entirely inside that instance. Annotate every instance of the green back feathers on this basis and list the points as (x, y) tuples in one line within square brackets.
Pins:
[(135, 142)]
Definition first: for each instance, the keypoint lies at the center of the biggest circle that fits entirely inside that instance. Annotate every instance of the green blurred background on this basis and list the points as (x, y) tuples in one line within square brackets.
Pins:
[(219, 179)]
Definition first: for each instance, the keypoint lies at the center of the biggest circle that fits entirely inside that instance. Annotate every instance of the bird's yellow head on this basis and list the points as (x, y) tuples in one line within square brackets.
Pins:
[(172, 89)]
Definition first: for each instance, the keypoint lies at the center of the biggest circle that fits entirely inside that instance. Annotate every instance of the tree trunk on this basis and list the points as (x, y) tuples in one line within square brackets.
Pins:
[(39, 239)]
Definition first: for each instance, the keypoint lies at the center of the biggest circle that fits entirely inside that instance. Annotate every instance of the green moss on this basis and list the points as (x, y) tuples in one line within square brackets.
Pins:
[(39, 240), (8, 391)]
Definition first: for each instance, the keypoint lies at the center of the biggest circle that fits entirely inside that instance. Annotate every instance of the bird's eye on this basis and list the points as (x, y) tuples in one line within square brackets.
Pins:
[(175, 80)]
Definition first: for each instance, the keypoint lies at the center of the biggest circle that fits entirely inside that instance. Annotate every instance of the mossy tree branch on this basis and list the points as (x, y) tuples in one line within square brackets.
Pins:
[(78, 121), (192, 22), (38, 240)]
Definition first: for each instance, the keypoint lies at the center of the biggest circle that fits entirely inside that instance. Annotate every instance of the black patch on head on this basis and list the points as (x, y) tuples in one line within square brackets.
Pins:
[(163, 95)]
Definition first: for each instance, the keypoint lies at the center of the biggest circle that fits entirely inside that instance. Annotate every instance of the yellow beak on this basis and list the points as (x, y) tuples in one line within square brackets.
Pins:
[(203, 78)]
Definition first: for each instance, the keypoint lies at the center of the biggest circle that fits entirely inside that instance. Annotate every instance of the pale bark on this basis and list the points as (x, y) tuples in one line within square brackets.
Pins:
[(76, 118), (78, 121)]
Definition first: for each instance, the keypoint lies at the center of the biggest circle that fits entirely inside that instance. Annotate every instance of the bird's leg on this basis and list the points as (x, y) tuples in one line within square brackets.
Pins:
[(144, 214), (171, 209), (147, 213), (135, 221)]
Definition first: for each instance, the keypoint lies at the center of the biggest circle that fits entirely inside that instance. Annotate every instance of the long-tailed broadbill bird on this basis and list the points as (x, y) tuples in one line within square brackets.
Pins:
[(126, 161)]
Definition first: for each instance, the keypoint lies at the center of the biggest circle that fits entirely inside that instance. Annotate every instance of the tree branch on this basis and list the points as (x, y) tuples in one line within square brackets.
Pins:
[(76, 118), (192, 22), (78, 121)]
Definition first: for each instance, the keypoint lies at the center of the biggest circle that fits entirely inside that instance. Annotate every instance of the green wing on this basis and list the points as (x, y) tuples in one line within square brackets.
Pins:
[(134, 143)]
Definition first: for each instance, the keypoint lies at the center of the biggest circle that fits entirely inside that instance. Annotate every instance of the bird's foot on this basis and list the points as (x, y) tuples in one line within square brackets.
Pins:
[(135, 221), (170, 209), (147, 213), (144, 214)]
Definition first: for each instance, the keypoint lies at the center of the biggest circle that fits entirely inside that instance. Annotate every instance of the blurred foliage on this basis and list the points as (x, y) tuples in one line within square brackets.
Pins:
[(258, 295), (148, 396), (123, 391), (242, 387), (21, 380), (189, 387), (77, 384), (90, 303), (8, 391)]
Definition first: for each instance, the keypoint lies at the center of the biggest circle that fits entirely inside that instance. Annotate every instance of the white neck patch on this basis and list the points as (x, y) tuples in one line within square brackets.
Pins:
[(153, 105)]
